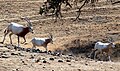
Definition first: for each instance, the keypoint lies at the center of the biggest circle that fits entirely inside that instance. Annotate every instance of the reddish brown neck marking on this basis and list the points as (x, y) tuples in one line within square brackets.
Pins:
[(46, 42), (24, 32)]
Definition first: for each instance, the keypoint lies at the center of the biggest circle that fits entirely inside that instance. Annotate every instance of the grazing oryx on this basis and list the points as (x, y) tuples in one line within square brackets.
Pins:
[(19, 30), (104, 48), (42, 42)]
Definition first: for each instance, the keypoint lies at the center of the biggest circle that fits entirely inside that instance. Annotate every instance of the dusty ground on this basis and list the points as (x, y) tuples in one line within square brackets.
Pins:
[(97, 23)]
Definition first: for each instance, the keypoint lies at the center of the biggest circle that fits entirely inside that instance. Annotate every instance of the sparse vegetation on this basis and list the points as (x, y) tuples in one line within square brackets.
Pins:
[(72, 42)]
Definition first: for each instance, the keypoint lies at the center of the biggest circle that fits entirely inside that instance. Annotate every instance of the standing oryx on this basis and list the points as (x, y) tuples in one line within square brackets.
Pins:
[(42, 42), (103, 48), (19, 30)]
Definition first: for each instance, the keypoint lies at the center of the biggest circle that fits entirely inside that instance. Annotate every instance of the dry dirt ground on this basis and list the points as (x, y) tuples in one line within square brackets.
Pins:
[(74, 38)]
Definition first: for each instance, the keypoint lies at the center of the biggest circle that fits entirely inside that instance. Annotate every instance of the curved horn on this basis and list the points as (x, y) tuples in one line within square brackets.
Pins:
[(51, 36), (26, 18), (110, 39)]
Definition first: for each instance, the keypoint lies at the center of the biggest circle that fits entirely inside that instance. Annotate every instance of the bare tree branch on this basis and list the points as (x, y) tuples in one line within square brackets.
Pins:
[(79, 10)]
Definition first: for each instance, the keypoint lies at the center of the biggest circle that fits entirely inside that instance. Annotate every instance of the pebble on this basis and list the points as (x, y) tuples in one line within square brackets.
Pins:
[(31, 57), (44, 61), (69, 64), (4, 56), (68, 60), (86, 64), (51, 59), (38, 60), (79, 69), (28, 50), (60, 61), (23, 49), (15, 70), (38, 51), (20, 54), (70, 55), (14, 53)]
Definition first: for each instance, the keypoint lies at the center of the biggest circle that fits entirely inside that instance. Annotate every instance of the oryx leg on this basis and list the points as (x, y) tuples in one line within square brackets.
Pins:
[(6, 32), (24, 40), (33, 48), (46, 49), (18, 41), (10, 37)]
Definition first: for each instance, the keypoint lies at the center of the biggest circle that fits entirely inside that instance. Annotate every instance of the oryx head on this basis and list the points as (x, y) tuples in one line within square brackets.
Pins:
[(51, 38), (29, 24), (110, 40)]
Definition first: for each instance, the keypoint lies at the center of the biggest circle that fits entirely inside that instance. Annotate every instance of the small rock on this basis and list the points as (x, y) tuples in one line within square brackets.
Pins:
[(44, 61), (24, 62), (19, 48), (82, 57), (38, 60), (1, 53), (58, 54), (4, 51), (4, 56), (20, 54), (38, 51), (45, 52), (55, 53), (49, 52), (96, 61), (69, 64), (15, 70), (111, 67), (76, 60), (79, 69), (51, 59), (68, 60), (15, 47), (86, 64), (31, 57), (70, 55), (14, 53), (28, 50), (23, 49), (60, 61)]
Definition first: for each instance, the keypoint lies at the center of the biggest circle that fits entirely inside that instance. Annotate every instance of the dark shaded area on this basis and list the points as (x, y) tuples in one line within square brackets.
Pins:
[(116, 2), (85, 48), (76, 48), (82, 49)]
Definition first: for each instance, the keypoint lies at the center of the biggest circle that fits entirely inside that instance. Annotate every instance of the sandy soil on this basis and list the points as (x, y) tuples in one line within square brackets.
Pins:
[(98, 23)]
